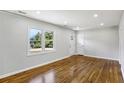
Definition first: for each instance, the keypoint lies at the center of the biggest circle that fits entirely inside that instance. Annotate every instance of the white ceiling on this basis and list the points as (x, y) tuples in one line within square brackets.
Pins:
[(72, 18)]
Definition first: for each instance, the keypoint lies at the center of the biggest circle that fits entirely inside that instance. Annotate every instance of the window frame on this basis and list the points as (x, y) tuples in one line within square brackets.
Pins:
[(43, 51), (40, 36), (52, 40)]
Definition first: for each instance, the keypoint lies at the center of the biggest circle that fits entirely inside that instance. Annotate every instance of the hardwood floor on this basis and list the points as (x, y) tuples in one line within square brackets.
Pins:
[(75, 69)]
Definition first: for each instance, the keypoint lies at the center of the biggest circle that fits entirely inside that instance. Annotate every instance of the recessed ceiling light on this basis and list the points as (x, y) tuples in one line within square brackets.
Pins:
[(77, 28), (65, 22), (95, 15), (101, 24), (37, 12)]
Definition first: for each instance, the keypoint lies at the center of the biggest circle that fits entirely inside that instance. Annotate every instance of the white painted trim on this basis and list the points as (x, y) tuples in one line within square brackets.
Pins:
[(122, 71), (43, 52), (19, 71), (102, 57)]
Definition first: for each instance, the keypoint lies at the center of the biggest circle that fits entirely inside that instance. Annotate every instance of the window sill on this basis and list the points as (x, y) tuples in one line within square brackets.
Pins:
[(41, 52)]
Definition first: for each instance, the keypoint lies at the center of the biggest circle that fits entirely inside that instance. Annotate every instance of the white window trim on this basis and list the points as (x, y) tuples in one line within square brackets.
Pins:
[(43, 51)]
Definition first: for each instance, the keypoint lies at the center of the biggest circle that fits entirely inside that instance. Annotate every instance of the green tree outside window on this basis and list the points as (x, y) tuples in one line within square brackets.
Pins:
[(48, 39)]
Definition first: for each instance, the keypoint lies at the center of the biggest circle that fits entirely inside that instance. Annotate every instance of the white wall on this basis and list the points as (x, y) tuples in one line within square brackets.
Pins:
[(13, 43), (121, 43), (102, 42)]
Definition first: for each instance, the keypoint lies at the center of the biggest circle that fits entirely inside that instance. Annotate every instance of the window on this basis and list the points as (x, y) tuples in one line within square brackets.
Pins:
[(40, 41), (49, 40), (35, 40)]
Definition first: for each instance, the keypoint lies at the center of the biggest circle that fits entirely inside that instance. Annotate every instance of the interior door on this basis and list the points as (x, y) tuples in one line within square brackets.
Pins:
[(72, 43), (80, 43)]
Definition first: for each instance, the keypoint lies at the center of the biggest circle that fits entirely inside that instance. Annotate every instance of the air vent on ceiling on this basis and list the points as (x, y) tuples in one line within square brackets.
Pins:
[(22, 12)]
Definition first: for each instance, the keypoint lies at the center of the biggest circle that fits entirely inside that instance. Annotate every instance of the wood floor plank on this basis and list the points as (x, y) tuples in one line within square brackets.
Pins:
[(75, 69)]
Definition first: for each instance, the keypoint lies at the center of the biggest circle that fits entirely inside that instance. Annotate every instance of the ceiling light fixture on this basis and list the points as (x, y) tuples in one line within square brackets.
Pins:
[(65, 23), (95, 15), (37, 12), (77, 28), (101, 24)]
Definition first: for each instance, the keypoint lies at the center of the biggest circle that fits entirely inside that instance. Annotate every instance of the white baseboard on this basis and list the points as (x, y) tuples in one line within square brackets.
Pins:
[(22, 70), (102, 57), (122, 72)]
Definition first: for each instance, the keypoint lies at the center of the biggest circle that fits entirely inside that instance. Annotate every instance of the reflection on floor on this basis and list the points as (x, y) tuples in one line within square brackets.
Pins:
[(75, 69), (47, 77)]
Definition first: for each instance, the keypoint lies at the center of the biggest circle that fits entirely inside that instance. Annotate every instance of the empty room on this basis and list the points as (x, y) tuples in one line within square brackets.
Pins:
[(61, 46)]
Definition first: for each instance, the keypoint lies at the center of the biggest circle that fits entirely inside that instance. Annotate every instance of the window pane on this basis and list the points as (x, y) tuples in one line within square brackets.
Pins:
[(48, 39), (35, 39), (49, 44)]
